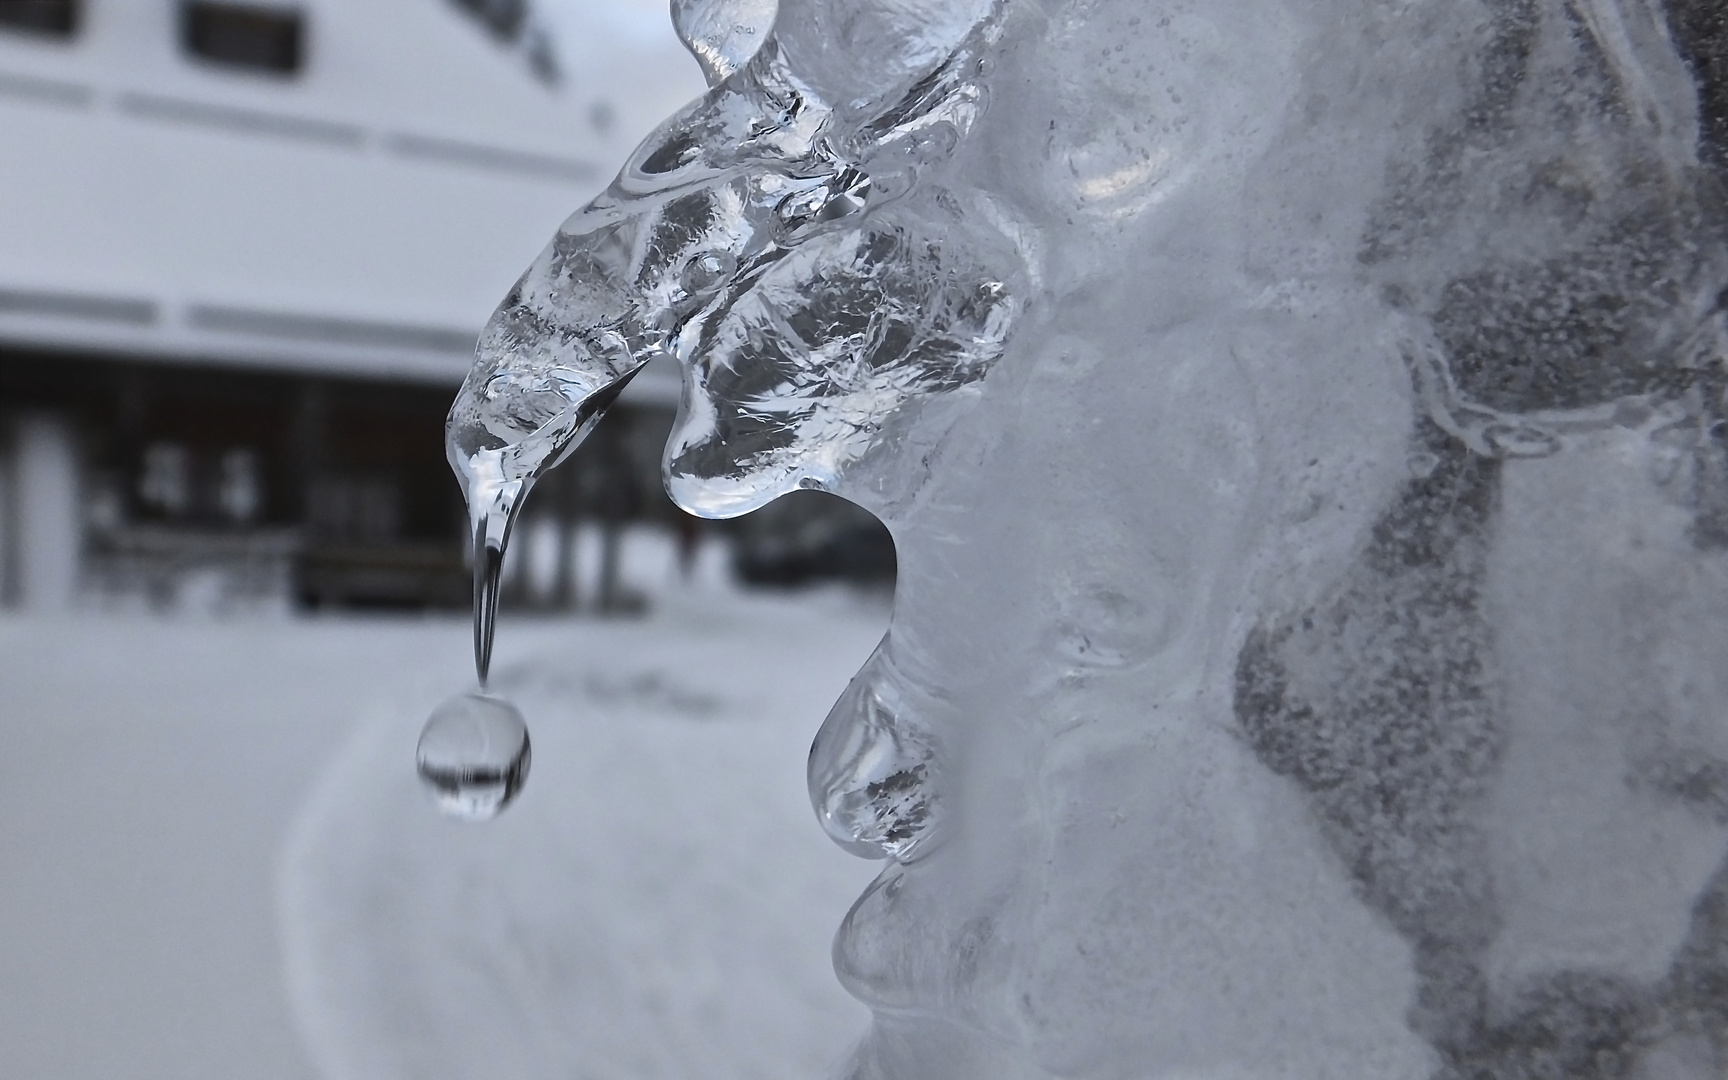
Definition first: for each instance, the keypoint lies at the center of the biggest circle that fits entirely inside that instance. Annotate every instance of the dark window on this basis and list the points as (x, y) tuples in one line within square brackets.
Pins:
[(504, 18), (239, 35), (56, 17)]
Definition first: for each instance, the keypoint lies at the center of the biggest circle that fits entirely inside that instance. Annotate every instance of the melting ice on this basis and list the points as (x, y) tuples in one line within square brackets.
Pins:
[(1363, 364)]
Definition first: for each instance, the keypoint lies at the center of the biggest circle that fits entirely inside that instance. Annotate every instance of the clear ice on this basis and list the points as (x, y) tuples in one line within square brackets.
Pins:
[(873, 769), (1304, 430), (473, 756)]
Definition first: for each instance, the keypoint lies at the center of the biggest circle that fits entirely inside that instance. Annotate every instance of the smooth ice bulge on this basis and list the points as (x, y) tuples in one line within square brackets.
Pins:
[(1302, 429), (473, 756), (731, 241), (722, 34), (874, 771)]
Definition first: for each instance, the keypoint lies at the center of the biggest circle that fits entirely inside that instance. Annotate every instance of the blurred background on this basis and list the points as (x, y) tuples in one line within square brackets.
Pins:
[(245, 251)]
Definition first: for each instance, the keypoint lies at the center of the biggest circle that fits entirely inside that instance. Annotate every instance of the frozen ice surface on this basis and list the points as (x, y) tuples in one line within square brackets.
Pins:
[(1304, 430)]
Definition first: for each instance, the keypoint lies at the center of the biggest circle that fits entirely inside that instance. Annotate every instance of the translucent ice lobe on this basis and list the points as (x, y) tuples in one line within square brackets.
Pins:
[(795, 381), (750, 237), (873, 772), (722, 34), (1285, 874), (549, 363), (473, 756)]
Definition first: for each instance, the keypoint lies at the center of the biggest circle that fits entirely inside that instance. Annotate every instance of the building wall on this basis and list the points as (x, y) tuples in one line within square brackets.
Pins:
[(234, 303)]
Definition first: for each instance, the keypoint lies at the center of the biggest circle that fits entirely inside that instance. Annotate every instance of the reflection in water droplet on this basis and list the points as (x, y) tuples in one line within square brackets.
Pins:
[(473, 756), (873, 777)]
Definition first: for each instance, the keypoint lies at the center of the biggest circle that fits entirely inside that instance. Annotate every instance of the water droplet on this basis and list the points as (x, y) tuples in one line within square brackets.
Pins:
[(872, 776), (473, 756)]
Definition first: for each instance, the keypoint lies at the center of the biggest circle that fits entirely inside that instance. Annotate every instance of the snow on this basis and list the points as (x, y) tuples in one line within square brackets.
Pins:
[(220, 863)]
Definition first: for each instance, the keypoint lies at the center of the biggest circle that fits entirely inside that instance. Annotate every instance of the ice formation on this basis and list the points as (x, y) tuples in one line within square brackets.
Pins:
[(1302, 429)]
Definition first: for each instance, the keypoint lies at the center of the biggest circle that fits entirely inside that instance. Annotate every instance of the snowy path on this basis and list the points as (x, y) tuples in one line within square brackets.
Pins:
[(658, 903)]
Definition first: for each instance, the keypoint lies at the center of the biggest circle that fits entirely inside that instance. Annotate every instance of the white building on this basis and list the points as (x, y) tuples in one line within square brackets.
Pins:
[(245, 249)]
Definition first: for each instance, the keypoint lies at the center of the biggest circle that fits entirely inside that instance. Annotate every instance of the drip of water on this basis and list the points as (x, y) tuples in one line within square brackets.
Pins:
[(494, 503), (473, 756), (506, 429), (488, 568)]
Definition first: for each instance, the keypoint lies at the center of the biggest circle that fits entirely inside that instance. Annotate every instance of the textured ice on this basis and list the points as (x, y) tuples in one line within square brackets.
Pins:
[(1302, 427)]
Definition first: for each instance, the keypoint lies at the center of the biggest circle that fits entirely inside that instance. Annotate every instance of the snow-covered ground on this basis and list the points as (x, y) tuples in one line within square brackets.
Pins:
[(215, 860)]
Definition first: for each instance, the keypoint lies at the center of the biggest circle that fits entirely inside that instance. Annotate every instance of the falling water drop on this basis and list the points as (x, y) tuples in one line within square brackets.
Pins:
[(473, 756)]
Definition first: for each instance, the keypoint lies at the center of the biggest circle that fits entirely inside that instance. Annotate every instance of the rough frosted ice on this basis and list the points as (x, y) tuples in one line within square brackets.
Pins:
[(1302, 429)]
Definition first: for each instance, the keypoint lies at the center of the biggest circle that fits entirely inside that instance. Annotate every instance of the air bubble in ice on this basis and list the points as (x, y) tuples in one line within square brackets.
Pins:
[(802, 204), (1520, 440), (1100, 627), (707, 271), (1422, 464), (473, 756), (841, 195)]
